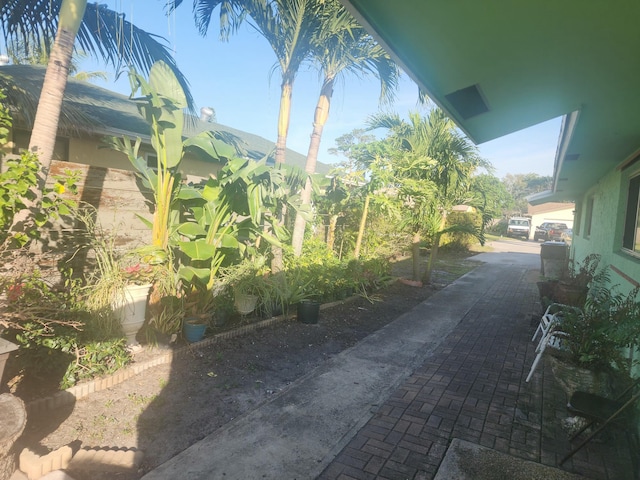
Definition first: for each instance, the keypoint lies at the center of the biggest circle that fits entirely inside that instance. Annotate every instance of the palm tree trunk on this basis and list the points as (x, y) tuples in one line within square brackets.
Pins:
[(45, 127), (433, 255), (284, 116), (277, 262), (363, 222), (319, 121), (331, 233), (415, 255)]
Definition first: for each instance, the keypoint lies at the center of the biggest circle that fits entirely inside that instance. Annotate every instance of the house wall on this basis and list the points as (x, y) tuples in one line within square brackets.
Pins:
[(607, 225), (88, 151), (562, 215), (116, 196)]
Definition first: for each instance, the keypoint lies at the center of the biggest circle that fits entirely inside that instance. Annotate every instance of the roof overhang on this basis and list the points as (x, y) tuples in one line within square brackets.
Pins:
[(497, 67)]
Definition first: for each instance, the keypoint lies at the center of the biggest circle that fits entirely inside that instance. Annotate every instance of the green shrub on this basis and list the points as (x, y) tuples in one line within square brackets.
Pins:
[(459, 241), (57, 335)]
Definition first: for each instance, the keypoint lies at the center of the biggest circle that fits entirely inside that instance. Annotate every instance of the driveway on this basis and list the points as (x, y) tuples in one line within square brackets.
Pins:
[(511, 251)]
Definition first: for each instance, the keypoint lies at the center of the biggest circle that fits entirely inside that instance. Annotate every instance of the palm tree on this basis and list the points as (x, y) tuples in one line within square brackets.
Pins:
[(289, 26), (433, 166), (99, 31), (340, 47)]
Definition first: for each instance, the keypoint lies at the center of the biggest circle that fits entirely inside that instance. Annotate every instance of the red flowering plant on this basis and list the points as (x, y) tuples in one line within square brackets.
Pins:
[(138, 274)]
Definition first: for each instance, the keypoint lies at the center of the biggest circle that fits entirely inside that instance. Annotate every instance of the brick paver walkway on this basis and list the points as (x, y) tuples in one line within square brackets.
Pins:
[(473, 388)]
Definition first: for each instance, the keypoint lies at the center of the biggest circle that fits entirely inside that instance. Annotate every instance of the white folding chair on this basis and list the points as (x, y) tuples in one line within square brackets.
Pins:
[(545, 322), (553, 338), (552, 317)]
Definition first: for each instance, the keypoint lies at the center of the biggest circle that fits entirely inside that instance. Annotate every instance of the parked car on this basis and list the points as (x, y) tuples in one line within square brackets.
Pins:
[(550, 231), (519, 227)]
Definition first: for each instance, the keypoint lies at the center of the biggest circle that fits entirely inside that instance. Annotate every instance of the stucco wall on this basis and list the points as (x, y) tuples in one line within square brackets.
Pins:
[(609, 205), (88, 151)]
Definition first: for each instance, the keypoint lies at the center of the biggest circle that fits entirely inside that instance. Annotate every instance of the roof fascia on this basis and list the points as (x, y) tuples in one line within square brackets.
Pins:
[(567, 129)]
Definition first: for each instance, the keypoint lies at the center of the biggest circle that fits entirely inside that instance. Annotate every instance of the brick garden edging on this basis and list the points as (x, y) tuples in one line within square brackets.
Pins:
[(84, 389)]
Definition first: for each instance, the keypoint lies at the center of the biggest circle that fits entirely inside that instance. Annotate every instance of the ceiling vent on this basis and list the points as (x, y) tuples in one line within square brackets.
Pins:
[(570, 157), (468, 102)]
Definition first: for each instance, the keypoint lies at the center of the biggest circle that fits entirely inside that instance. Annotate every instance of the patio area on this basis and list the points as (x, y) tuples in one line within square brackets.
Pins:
[(473, 388)]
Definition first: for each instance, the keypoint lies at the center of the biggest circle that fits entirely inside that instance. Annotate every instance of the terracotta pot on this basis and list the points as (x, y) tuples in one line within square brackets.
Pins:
[(547, 290), (571, 294)]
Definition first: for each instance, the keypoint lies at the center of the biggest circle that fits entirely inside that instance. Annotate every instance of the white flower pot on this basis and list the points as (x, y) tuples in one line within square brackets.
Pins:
[(131, 310), (245, 303)]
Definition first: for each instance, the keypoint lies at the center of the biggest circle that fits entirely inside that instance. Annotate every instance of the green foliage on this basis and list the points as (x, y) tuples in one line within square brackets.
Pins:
[(56, 333), (50, 349), (326, 278), (491, 195), (460, 240), (520, 186), (5, 119), (597, 336), (16, 190)]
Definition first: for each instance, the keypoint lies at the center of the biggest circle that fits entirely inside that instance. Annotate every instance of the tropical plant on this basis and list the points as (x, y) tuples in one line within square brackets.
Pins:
[(161, 106), (16, 192), (37, 53), (289, 26), (597, 336), (433, 164), (341, 46)]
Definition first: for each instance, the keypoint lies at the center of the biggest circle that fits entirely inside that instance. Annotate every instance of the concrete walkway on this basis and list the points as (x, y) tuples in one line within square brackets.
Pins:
[(389, 406)]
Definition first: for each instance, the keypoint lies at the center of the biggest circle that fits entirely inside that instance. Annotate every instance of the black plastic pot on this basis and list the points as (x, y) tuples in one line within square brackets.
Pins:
[(308, 311)]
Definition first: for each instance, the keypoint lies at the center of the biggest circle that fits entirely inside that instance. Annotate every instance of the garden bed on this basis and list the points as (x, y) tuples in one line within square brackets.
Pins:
[(169, 407)]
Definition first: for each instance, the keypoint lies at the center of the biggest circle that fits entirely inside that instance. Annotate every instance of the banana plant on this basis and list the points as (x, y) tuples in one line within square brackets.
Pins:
[(258, 192), (161, 104), (211, 230)]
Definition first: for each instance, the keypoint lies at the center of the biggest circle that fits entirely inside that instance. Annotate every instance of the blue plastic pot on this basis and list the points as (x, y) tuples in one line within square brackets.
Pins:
[(193, 330)]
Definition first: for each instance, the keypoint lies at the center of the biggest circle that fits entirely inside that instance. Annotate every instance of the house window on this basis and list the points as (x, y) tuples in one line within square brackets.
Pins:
[(577, 215), (631, 237), (588, 218), (152, 160)]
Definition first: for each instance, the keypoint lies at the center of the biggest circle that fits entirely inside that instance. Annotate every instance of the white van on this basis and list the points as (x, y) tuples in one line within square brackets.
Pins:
[(519, 227)]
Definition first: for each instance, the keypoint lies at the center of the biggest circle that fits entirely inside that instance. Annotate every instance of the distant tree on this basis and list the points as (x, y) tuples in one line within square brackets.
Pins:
[(523, 184), (491, 193), (341, 47), (22, 52), (433, 167)]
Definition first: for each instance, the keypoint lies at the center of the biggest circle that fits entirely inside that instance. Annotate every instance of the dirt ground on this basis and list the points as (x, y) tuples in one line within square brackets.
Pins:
[(169, 407)]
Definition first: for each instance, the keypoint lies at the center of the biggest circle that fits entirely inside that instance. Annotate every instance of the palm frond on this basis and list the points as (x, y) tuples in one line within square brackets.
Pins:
[(104, 33)]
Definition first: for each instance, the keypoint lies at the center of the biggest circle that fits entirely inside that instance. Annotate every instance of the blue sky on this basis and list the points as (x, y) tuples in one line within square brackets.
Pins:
[(237, 79)]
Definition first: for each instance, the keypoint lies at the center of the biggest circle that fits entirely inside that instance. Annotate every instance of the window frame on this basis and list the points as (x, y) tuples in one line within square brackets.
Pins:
[(631, 227)]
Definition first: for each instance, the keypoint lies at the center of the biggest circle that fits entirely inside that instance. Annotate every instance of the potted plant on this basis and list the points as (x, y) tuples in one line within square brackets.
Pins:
[(223, 307), (573, 286), (594, 342), (198, 306), (130, 304), (247, 281)]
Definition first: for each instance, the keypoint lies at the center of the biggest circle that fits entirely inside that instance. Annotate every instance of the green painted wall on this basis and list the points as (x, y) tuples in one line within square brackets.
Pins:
[(609, 205)]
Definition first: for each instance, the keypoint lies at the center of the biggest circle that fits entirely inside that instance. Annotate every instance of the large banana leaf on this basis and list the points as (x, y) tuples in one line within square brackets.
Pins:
[(198, 249), (216, 149)]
